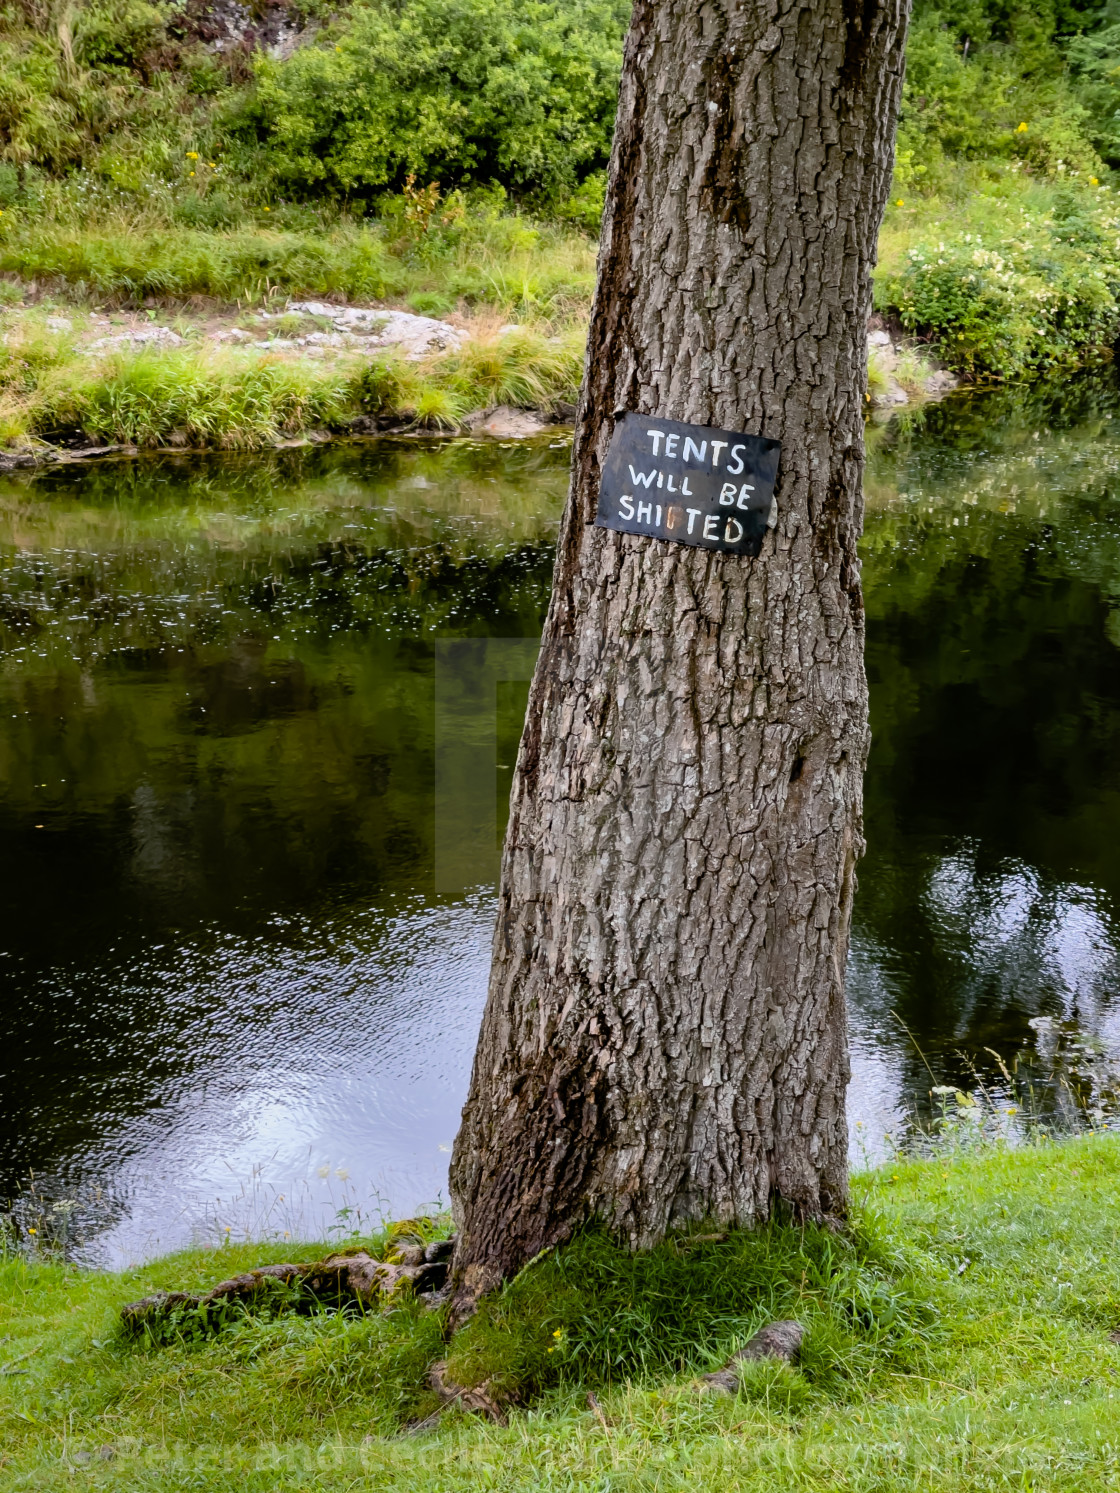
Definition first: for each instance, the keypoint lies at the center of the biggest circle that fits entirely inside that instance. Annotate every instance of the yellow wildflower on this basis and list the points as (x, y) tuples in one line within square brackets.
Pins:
[(192, 155), (266, 209), (1022, 129), (559, 1332), (1093, 182), (900, 202)]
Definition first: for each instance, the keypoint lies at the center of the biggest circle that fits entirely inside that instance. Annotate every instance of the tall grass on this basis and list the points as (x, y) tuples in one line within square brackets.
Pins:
[(498, 260), (154, 398), (226, 398)]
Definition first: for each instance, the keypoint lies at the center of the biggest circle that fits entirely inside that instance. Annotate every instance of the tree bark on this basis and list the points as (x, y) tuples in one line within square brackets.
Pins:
[(665, 1035)]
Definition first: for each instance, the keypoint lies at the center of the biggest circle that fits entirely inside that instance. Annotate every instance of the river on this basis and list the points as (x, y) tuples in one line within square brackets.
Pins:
[(257, 722)]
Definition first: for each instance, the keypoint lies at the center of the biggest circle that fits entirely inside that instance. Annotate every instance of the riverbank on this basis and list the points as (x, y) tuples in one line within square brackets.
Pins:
[(962, 1335), (78, 383)]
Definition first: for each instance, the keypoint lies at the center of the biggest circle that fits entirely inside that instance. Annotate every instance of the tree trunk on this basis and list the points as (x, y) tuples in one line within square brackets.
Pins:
[(665, 1035)]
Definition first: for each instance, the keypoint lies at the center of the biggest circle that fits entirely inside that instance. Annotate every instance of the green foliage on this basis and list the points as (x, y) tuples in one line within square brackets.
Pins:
[(595, 1314), (456, 90), (1094, 61), (1045, 295), (987, 80)]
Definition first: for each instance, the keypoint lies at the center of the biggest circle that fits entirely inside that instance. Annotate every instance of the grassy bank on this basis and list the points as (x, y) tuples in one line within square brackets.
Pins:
[(487, 258), (203, 395), (957, 1338), (451, 158)]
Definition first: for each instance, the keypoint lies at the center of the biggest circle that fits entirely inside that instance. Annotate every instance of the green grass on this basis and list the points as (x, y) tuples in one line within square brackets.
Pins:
[(500, 260), (957, 1339), (228, 399)]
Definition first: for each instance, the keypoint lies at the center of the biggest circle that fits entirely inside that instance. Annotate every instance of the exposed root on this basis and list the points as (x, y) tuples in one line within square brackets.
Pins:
[(335, 1281), (775, 1340), (480, 1399)]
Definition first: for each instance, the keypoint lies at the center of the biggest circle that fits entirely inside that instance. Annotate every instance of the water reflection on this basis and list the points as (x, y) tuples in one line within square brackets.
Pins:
[(234, 970)]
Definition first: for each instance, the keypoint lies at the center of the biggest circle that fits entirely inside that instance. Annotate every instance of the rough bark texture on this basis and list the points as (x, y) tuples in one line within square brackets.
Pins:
[(665, 1035)]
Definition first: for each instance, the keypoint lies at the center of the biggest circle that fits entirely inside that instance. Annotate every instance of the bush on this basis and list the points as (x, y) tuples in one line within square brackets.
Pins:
[(1045, 295), (986, 80), (454, 90)]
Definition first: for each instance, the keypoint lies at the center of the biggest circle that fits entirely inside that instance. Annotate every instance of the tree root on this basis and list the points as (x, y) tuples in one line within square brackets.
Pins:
[(338, 1280), (480, 1398), (775, 1340)]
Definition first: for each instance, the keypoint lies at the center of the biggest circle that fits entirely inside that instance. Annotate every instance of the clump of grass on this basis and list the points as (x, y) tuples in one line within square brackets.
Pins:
[(595, 1314), (188, 397), (878, 374), (519, 368), (912, 370)]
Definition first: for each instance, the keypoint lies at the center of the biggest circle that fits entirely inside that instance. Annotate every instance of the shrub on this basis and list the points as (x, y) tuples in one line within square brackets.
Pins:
[(454, 90), (1047, 295)]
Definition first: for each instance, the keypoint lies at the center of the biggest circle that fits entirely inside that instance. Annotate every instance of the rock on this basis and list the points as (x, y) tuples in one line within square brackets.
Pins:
[(137, 337), (59, 324), (308, 308), (941, 381), (416, 335), (235, 334), (775, 1340), (508, 424), (878, 339), (11, 460), (564, 412), (439, 1250), (893, 394), (83, 453)]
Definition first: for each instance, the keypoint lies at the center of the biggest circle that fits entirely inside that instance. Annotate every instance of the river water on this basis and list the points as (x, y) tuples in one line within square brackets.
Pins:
[(257, 721)]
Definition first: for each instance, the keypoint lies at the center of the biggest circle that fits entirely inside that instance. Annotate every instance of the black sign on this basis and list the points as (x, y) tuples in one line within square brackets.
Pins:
[(712, 488)]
